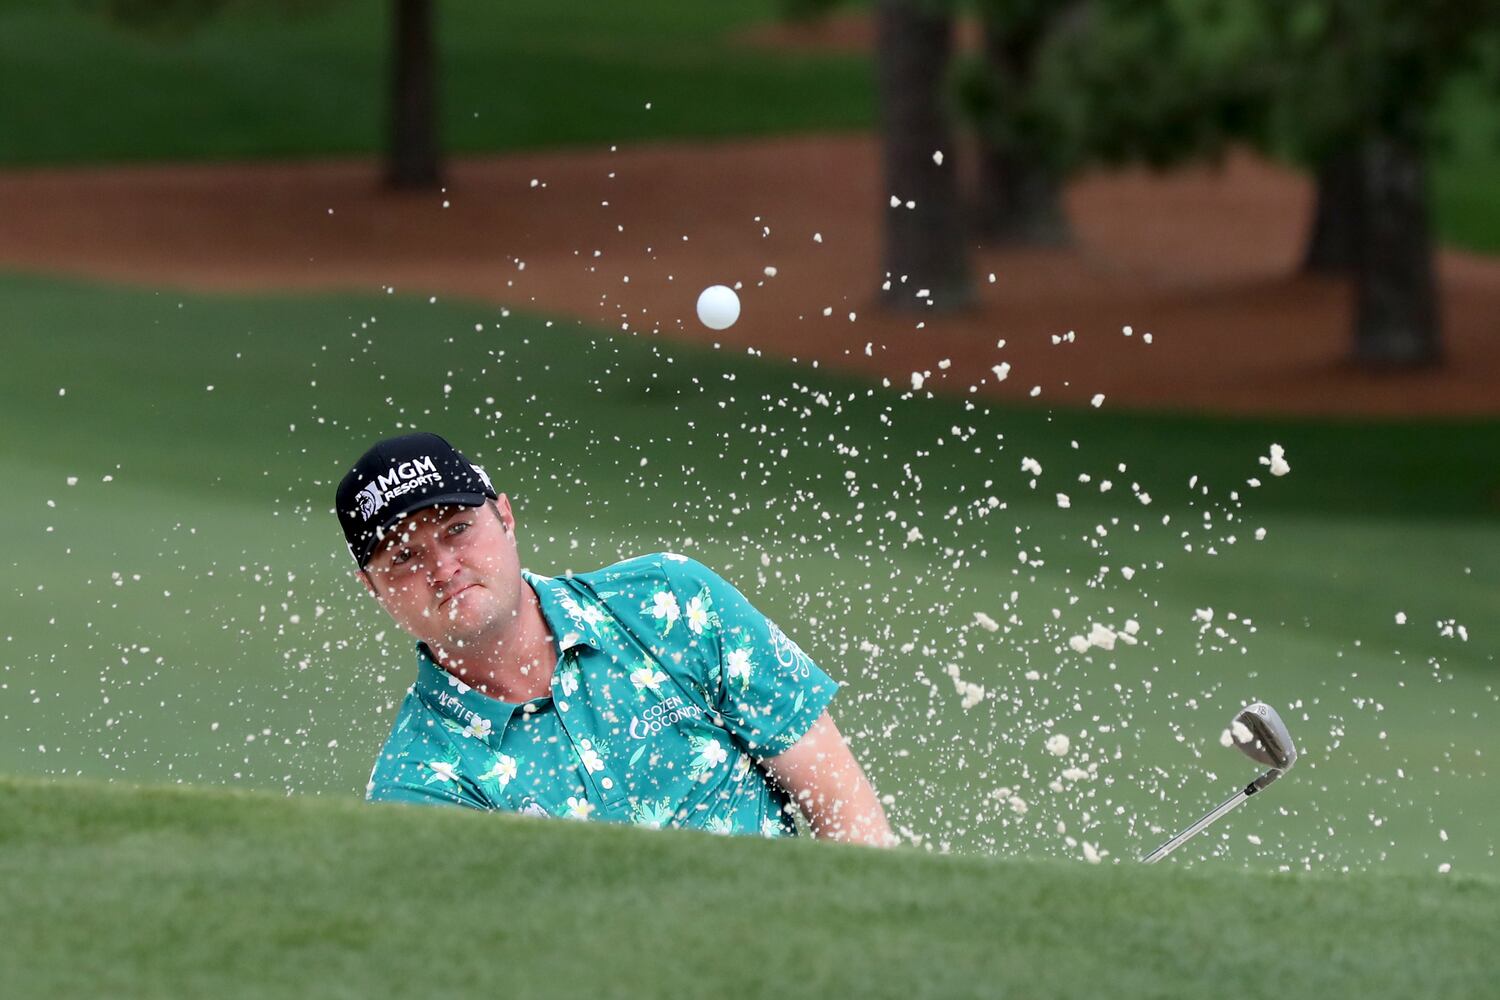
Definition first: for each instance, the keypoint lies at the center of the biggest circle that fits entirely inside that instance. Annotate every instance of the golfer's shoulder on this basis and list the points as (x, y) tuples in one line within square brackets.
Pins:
[(650, 572), (415, 732)]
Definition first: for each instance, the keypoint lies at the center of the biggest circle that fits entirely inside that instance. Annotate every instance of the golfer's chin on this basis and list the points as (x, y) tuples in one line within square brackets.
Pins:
[(467, 612)]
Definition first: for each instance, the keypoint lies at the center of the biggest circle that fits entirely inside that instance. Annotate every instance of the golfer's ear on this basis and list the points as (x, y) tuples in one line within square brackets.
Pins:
[(364, 578)]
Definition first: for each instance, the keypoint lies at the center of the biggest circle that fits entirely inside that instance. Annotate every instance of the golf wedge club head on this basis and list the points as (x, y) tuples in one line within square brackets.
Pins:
[(1270, 742), (1260, 735)]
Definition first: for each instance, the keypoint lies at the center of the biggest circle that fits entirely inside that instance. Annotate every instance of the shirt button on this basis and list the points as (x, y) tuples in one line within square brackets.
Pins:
[(606, 783)]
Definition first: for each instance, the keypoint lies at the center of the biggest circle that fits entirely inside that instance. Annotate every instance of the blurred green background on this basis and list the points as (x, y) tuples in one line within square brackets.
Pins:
[(180, 606), (301, 78)]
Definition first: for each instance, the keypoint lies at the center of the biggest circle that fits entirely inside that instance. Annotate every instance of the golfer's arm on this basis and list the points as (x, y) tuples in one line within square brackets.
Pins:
[(824, 779)]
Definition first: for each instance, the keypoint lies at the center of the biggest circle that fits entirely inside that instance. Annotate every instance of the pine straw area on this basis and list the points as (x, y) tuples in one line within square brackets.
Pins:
[(1204, 260)]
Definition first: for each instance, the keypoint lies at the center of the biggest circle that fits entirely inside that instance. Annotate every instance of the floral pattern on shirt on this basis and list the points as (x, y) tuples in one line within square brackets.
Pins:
[(738, 666), (708, 753), (655, 813), (663, 608), (442, 770), (700, 613), (567, 676), (648, 677), (502, 769), (668, 688)]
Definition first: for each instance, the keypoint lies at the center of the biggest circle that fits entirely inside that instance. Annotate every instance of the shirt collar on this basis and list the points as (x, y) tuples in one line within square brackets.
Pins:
[(571, 621), (449, 696)]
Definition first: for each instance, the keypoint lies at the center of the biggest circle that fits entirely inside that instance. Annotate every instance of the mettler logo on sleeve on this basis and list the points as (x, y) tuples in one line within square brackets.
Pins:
[(388, 486)]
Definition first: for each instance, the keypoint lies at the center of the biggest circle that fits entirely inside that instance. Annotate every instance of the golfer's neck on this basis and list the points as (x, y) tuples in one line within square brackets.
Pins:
[(514, 663)]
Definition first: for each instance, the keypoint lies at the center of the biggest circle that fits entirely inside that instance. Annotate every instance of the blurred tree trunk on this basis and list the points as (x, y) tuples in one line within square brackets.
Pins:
[(1396, 322), (1333, 244), (414, 159), (1020, 197), (1020, 202), (924, 246)]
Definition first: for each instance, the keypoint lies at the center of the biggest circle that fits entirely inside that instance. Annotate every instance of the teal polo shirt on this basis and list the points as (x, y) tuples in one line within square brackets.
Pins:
[(669, 686)]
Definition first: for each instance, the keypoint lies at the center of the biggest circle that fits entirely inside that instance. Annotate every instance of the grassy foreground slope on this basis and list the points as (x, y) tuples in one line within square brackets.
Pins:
[(124, 892)]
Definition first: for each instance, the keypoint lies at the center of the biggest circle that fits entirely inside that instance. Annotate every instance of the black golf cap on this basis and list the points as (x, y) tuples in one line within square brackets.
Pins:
[(398, 476)]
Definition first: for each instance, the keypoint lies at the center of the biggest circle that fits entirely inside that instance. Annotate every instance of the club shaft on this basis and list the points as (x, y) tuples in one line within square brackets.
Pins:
[(1196, 828)]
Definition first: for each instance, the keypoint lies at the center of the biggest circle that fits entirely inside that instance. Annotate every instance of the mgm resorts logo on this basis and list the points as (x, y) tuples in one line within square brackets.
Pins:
[(402, 479)]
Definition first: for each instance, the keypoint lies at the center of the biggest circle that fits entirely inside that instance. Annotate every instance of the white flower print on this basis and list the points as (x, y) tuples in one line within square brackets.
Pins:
[(501, 771), (568, 680), (592, 762), (655, 814), (737, 665), (708, 753), (718, 824), (665, 610), (770, 828), (454, 682), (441, 770), (578, 807), (478, 728), (741, 767), (697, 615), (648, 676), (534, 808)]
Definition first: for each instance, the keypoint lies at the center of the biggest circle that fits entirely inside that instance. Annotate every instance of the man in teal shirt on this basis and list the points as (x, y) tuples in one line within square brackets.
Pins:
[(648, 692)]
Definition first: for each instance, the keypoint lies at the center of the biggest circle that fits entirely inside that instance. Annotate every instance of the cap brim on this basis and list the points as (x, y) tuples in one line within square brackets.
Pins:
[(395, 517)]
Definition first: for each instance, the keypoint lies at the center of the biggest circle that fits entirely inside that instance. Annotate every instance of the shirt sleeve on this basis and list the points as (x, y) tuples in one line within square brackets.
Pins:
[(766, 689), (418, 770)]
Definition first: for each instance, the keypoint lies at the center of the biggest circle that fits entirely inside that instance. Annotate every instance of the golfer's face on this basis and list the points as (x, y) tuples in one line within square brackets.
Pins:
[(448, 573)]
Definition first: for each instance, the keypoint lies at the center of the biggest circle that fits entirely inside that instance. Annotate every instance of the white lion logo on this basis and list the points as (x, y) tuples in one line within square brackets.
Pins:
[(369, 500)]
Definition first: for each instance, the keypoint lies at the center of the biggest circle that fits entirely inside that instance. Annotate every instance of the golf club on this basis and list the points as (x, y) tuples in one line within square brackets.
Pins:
[(1269, 743)]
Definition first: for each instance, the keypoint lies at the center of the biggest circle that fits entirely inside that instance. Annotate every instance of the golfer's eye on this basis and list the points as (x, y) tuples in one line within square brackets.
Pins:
[(460, 525), (400, 557)]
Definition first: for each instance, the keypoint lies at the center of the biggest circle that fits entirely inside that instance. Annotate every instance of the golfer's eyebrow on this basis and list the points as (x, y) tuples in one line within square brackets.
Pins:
[(394, 540), (452, 513)]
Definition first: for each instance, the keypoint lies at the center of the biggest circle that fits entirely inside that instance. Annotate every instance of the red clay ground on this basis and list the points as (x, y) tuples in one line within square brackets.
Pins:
[(1204, 260)]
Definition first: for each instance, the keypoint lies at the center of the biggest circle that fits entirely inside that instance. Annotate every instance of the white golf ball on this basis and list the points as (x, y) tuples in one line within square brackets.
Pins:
[(718, 307)]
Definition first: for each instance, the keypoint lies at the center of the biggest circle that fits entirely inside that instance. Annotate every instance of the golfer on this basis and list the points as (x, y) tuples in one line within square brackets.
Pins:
[(647, 692)]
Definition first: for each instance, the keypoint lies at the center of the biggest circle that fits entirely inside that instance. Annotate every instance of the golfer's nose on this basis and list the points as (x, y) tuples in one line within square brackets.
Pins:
[(442, 567)]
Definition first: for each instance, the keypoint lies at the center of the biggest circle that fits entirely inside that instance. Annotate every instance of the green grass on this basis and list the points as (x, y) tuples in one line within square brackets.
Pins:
[(193, 619), (1465, 208), (141, 893), (257, 83), (253, 83)]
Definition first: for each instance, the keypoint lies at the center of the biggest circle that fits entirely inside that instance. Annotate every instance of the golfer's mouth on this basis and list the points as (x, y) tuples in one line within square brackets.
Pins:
[(460, 590)]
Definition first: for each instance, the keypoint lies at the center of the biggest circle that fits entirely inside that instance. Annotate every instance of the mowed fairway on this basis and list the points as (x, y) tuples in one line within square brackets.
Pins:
[(193, 893), (192, 619)]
